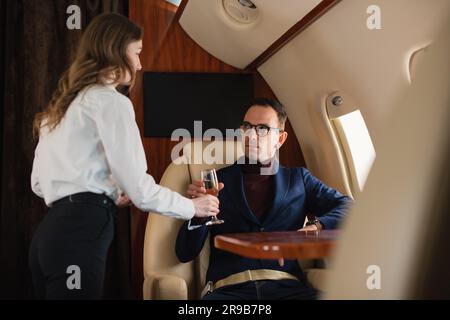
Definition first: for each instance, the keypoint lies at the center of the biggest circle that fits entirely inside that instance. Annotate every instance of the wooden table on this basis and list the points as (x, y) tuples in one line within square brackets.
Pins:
[(275, 245)]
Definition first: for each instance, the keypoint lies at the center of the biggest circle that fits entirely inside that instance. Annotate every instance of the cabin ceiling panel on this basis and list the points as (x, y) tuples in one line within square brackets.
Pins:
[(235, 43)]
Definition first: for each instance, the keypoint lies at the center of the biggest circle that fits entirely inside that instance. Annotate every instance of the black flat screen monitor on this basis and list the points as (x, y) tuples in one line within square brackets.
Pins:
[(176, 100)]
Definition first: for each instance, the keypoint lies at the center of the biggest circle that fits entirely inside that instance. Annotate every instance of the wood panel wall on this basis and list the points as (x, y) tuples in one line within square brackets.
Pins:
[(168, 48)]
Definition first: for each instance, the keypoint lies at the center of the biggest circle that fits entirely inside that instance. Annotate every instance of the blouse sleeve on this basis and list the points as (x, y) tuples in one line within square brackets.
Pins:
[(124, 152)]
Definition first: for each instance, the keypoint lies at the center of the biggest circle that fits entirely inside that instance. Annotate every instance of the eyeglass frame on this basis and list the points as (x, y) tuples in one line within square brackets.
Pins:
[(254, 126)]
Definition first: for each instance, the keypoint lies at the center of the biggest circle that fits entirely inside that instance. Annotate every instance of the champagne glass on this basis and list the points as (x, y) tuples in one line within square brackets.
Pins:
[(209, 178)]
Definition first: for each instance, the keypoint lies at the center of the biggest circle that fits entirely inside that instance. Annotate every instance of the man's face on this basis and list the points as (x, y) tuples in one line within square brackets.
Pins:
[(262, 148)]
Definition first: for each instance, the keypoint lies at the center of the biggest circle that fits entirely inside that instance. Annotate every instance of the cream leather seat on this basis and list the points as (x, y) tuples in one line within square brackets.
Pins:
[(165, 277)]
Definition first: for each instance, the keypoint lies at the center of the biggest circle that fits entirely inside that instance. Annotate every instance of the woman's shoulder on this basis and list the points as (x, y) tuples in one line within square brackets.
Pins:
[(104, 95), (103, 91)]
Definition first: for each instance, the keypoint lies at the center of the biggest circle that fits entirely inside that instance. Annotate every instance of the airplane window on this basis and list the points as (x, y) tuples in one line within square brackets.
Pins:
[(357, 146)]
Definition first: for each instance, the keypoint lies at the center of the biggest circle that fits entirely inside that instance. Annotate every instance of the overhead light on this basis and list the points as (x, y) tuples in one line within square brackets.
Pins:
[(242, 11)]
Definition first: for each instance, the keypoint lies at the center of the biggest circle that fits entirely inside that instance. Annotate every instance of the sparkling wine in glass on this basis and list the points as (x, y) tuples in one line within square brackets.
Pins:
[(209, 178)]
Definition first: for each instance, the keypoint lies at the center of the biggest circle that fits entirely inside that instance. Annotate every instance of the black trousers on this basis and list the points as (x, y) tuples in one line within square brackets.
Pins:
[(69, 249), (264, 290)]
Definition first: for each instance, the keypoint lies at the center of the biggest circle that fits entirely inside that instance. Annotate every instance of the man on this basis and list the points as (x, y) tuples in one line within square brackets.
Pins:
[(259, 195)]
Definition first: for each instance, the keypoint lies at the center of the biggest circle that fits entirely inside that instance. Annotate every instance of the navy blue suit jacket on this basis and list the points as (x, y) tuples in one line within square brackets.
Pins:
[(297, 193)]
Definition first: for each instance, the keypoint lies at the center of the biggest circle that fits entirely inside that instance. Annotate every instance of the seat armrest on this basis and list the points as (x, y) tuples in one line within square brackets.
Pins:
[(164, 287)]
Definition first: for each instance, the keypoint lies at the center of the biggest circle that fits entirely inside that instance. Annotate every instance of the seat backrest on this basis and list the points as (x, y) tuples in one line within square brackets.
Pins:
[(385, 242), (161, 232)]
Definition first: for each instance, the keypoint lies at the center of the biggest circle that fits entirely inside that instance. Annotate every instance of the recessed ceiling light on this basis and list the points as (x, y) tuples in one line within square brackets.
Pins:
[(247, 3), (242, 11)]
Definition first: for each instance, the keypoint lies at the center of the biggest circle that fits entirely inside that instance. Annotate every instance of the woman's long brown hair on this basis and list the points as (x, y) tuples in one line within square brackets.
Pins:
[(100, 57)]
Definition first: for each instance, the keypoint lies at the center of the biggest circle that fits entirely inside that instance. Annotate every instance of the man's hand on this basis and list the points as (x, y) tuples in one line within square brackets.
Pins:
[(311, 227), (197, 189), (123, 201)]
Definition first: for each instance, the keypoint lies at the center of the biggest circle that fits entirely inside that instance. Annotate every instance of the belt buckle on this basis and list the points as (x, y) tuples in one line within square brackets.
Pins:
[(209, 287), (249, 275)]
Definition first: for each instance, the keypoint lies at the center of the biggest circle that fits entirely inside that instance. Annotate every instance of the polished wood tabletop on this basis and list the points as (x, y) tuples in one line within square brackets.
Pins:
[(275, 245)]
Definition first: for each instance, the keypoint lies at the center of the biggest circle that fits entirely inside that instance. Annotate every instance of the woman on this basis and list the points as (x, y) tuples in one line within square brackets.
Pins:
[(89, 160)]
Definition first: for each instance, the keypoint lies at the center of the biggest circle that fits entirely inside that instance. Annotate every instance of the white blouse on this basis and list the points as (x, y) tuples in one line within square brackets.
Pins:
[(97, 148)]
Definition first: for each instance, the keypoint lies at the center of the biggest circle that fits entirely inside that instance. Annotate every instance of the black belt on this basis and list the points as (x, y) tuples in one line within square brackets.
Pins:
[(88, 197)]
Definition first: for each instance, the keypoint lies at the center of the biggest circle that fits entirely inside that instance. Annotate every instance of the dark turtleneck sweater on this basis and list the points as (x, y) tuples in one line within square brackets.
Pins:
[(259, 189)]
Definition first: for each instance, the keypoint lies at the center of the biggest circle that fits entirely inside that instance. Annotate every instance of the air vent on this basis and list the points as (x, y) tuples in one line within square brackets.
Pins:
[(242, 11)]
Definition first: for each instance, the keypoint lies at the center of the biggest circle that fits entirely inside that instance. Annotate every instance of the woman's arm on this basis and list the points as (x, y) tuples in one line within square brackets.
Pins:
[(124, 152)]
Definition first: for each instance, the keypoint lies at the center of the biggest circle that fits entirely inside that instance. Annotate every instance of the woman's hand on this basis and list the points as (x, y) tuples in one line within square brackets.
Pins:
[(123, 201), (197, 189), (206, 206)]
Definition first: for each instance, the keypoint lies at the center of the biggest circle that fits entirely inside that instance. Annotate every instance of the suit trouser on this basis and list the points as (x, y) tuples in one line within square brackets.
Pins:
[(69, 249), (264, 290)]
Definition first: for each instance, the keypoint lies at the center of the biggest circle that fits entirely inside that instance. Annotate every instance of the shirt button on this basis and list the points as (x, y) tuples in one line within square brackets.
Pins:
[(105, 202)]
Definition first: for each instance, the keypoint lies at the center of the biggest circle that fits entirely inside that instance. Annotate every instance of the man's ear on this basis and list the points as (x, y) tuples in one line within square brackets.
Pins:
[(281, 139)]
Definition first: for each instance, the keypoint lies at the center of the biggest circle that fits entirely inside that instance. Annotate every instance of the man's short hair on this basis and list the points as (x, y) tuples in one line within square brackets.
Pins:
[(275, 105)]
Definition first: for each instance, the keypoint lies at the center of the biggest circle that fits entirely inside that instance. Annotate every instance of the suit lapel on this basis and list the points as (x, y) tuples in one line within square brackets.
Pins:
[(282, 182), (235, 188)]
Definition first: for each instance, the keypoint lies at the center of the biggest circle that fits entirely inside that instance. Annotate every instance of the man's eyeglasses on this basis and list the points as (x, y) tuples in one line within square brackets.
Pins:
[(261, 129)]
